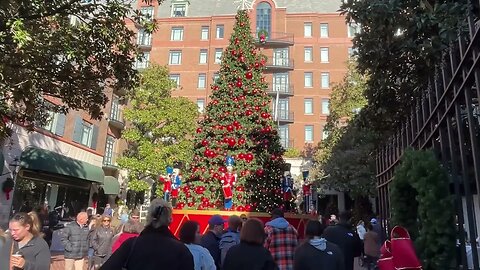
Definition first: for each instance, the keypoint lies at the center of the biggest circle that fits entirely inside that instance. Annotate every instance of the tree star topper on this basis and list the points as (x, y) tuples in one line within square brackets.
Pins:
[(244, 4)]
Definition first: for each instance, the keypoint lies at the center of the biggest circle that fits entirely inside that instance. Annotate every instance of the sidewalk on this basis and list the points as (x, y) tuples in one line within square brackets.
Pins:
[(58, 262)]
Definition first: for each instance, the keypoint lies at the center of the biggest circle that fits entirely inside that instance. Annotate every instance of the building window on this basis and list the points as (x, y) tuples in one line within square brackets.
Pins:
[(147, 13), (324, 134), (308, 133), (203, 56), (324, 30), (264, 17), (109, 149), (115, 109), (218, 56), (55, 123), (351, 52), (325, 80), (177, 34), (179, 9), (176, 79), (85, 133), (144, 38), (307, 29), (324, 55), (143, 61), (325, 106), (175, 58), (308, 106), (353, 29), (308, 76), (216, 76), (204, 35), (220, 31), (308, 54), (202, 81), (201, 105)]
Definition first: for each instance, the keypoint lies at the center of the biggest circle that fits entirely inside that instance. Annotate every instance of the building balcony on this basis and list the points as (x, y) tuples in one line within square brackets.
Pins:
[(276, 40), (279, 64), (283, 90), (145, 46), (116, 120), (284, 117), (286, 143), (110, 162)]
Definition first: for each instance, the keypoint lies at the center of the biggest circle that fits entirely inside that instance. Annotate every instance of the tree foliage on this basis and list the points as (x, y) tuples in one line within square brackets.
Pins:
[(66, 49), (399, 44), (161, 127)]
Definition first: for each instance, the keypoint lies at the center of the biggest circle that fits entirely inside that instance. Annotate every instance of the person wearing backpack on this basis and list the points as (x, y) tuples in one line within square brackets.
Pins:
[(231, 237)]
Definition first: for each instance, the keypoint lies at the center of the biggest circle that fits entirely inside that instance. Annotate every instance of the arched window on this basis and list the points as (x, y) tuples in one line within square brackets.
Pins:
[(264, 17)]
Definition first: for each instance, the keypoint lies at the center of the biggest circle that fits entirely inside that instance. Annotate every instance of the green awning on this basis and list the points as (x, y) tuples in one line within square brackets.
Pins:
[(36, 159), (111, 186)]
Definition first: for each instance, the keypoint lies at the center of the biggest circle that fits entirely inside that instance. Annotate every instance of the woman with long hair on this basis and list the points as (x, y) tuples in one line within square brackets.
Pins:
[(190, 236), (30, 251), (102, 241)]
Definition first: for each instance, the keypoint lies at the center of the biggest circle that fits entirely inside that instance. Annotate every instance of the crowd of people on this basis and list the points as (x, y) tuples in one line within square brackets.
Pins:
[(243, 244)]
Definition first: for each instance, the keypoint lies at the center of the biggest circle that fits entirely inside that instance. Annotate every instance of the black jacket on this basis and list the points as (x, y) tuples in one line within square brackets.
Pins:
[(153, 249), (347, 240), (36, 254), (307, 257), (75, 240), (245, 256), (211, 242)]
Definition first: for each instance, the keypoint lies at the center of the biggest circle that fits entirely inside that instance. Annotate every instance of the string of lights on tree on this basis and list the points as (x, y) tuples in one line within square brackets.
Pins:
[(237, 123)]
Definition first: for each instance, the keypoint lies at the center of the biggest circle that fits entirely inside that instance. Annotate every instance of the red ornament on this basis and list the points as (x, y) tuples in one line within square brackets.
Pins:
[(215, 88), (199, 130), (248, 207), (249, 157), (259, 172), (236, 123), (248, 112), (191, 204), (204, 142), (222, 169), (233, 52), (231, 142), (265, 115), (257, 108), (241, 155), (249, 75), (230, 128), (239, 83), (241, 141), (240, 208), (257, 65), (236, 41)]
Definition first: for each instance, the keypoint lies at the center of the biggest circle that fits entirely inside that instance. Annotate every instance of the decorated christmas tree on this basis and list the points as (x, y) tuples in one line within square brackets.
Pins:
[(237, 162)]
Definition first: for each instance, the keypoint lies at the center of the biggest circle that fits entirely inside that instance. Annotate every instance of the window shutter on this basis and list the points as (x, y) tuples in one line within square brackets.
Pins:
[(60, 128), (78, 130), (94, 137)]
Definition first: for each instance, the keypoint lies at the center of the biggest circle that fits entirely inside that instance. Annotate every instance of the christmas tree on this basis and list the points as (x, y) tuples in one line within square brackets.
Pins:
[(238, 130)]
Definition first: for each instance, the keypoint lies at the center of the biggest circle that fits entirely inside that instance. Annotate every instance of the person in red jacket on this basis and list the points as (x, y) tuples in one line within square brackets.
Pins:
[(130, 229)]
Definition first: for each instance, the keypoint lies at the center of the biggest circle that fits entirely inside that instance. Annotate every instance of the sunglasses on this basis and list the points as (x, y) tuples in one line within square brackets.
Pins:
[(106, 220)]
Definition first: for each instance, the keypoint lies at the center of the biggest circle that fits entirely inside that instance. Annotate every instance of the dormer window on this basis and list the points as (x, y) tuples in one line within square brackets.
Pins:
[(179, 9)]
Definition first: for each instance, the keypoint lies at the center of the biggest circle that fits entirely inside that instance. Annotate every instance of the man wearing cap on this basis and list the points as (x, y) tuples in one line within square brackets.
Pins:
[(281, 241), (211, 239), (377, 227)]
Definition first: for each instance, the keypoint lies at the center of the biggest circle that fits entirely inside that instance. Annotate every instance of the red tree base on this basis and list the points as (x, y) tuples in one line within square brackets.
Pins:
[(202, 217)]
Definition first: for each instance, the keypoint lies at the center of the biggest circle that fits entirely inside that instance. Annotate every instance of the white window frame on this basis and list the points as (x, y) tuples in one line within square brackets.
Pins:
[(325, 134), (176, 33), (307, 29), (352, 29), (308, 54), (143, 62), (148, 13), (144, 38), (175, 13), (205, 31), (175, 57), (218, 55), (324, 55), (202, 81), (109, 150), (325, 80), (306, 78), (220, 31), (201, 105), (326, 106), (203, 57), (308, 106), (324, 30), (215, 76), (87, 134), (51, 122), (308, 132), (176, 78)]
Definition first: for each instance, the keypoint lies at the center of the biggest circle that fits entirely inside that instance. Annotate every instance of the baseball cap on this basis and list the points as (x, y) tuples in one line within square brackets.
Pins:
[(216, 220), (373, 221)]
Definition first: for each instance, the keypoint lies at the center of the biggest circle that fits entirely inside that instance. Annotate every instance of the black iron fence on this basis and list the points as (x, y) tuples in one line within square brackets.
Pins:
[(446, 119)]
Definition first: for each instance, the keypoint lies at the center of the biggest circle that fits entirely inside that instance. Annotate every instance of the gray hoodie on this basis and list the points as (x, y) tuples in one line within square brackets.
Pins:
[(36, 254)]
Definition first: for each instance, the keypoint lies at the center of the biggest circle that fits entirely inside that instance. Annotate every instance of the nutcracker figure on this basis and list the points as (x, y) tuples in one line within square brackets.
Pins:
[(167, 183), (287, 188), (228, 181), (176, 179)]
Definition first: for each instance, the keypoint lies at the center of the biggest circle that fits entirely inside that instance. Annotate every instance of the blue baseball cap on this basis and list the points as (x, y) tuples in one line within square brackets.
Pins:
[(373, 221), (216, 220)]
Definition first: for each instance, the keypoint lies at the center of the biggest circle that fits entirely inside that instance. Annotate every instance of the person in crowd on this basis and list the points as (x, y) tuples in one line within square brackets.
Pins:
[(371, 245), (361, 229), (135, 217), (129, 230), (93, 223), (108, 211), (29, 251), (316, 253), (211, 239), (102, 241), (231, 237), (250, 253), (156, 247), (345, 238), (282, 239), (5, 249), (190, 235), (75, 240), (377, 227)]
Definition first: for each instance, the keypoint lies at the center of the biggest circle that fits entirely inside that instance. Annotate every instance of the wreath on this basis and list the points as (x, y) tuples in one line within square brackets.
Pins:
[(7, 187), (422, 203), (262, 36)]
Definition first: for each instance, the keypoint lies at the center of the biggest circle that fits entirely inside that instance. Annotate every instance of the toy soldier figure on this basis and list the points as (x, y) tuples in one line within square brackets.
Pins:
[(228, 181), (167, 183), (176, 179)]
